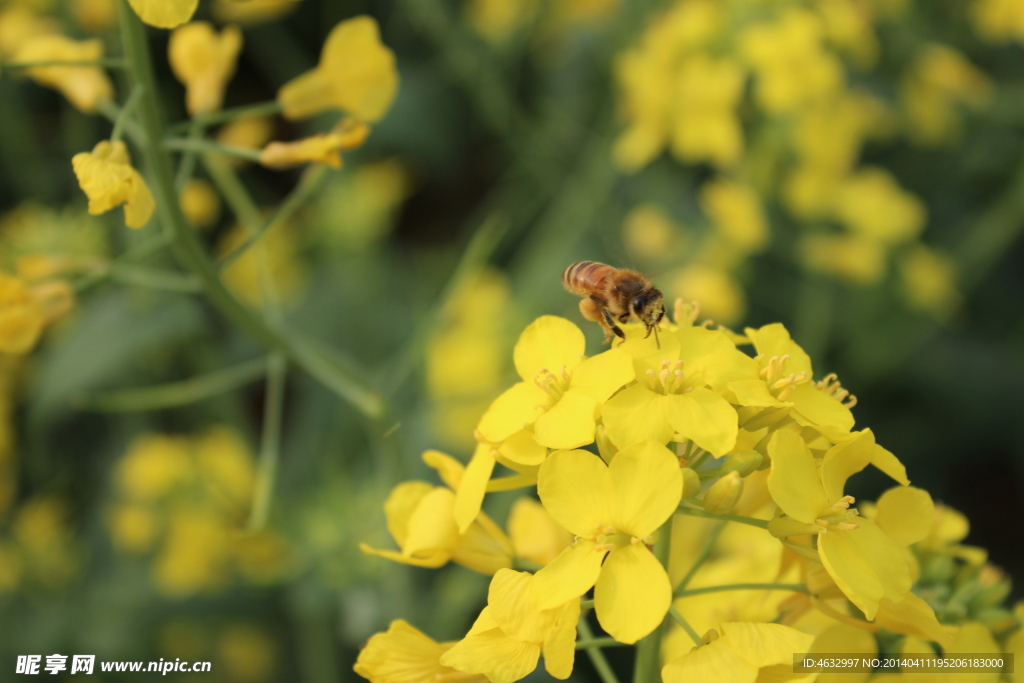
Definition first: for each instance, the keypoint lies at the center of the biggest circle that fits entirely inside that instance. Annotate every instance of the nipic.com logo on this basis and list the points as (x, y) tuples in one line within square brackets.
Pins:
[(32, 665)]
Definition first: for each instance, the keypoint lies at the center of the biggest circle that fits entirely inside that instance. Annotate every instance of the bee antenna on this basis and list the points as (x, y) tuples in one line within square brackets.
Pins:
[(656, 340)]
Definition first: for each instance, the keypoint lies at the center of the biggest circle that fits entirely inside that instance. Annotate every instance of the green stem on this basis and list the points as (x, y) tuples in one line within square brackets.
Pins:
[(111, 112), (154, 278), (212, 119), (695, 512), (176, 394), (586, 604), (199, 145), (794, 587), (323, 367), (685, 624), (187, 164), (597, 658), (136, 253), (270, 441), (606, 641), (702, 558), (648, 652), (122, 116), (311, 181)]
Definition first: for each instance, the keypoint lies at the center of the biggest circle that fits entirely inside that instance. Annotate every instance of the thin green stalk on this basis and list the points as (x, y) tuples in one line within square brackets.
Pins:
[(597, 658), (586, 604), (107, 63), (225, 115), (311, 181), (155, 278), (686, 627), (270, 441), (135, 253), (696, 512), (702, 558), (187, 163), (200, 145), (325, 368), (112, 112), (606, 641), (648, 652), (175, 394), (124, 115), (794, 587)]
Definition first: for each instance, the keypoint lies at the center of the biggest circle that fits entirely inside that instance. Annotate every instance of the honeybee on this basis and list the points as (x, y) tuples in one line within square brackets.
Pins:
[(613, 295)]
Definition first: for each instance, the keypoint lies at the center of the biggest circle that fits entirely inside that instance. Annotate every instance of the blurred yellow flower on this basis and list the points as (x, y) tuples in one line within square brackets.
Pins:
[(403, 654), (204, 63), (95, 15), (109, 180), (851, 258), (704, 122), (19, 25), (200, 203), (742, 653), (929, 280), (248, 12), (281, 251), (735, 211), (356, 74), (164, 13), (998, 20), (195, 554), (872, 204), (940, 79), (649, 234), (133, 528), (84, 86), (250, 132), (497, 20), (26, 310), (325, 148), (248, 653)]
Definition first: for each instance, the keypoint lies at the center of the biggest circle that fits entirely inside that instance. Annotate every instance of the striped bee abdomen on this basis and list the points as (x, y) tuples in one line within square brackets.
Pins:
[(587, 277)]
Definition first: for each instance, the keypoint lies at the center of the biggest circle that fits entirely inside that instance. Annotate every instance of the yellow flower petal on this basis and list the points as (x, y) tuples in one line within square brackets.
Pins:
[(470, 495), (765, 645), (633, 594), (711, 662), (484, 547), (843, 461), (774, 340), (356, 74), (602, 375), (325, 148), (572, 574), (637, 414), (569, 423), (84, 86), (912, 616), (549, 343), (560, 645), (448, 468), (510, 411), (818, 409), (432, 524), (705, 418), (204, 63), (576, 488), (430, 560), (492, 653), (536, 536), (108, 180), (508, 598), (648, 488), (793, 479), (401, 654), (905, 514), (164, 13), (522, 449), (400, 505), (890, 464), (866, 565)]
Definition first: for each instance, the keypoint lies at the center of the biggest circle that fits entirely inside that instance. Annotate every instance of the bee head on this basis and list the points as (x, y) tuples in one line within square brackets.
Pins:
[(649, 308)]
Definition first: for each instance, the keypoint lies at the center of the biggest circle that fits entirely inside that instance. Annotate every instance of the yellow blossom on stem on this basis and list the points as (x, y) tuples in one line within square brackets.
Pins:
[(510, 634), (204, 63), (108, 179), (864, 561), (356, 74), (404, 654), (742, 652), (535, 535), (25, 310), (84, 86), (164, 13), (614, 510), (325, 148), (561, 393)]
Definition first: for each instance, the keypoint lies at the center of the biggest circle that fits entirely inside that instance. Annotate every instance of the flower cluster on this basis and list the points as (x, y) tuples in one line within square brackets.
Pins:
[(644, 457)]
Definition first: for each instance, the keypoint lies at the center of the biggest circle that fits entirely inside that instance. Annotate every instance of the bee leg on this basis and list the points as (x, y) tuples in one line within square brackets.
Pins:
[(610, 328)]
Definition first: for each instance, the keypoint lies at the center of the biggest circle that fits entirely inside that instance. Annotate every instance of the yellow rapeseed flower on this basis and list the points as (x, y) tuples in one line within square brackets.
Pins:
[(164, 13), (508, 637), (742, 653), (325, 148), (200, 203), (19, 25), (356, 74), (705, 124), (535, 535), (84, 86), (404, 654), (614, 510), (204, 63), (109, 180)]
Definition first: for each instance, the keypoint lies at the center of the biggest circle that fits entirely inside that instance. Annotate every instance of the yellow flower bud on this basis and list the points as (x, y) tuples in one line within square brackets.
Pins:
[(94, 15), (356, 74), (108, 179), (84, 86), (724, 493), (325, 148), (204, 63), (691, 483), (19, 25), (200, 203), (164, 13), (25, 311), (744, 463)]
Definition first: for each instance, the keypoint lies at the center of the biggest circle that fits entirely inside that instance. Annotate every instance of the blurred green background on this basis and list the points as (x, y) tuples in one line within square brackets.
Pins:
[(851, 168)]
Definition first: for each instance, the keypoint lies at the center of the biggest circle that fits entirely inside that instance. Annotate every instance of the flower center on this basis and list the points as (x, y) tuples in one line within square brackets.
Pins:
[(609, 538), (839, 516), (552, 384), (779, 383), (831, 386), (670, 380)]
